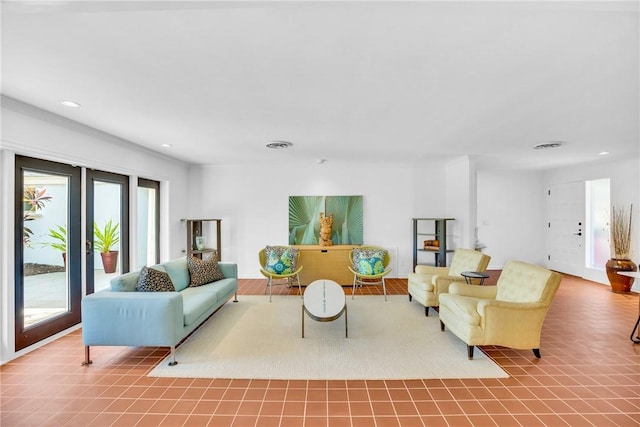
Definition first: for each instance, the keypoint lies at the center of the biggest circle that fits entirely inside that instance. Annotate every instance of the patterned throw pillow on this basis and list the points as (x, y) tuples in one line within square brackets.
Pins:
[(152, 280), (280, 260), (203, 271), (369, 261)]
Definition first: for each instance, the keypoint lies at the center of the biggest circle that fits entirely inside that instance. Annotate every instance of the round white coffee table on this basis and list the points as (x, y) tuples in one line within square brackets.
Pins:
[(324, 301)]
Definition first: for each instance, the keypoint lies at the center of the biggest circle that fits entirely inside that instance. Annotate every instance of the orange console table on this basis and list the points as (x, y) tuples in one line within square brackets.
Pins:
[(325, 262)]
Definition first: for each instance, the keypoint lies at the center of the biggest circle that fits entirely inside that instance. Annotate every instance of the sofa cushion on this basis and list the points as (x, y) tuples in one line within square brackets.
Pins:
[(152, 280), (178, 272), (203, 271), (126, 282), (197, 300), (280, 260), (369, 261)]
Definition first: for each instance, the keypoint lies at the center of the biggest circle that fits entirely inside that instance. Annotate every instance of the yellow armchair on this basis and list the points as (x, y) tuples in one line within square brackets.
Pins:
[(509, 314), (369, 265), (286, 261), (427, 282)]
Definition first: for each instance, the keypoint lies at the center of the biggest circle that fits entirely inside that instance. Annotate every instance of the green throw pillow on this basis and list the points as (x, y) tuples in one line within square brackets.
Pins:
[(280, 260), (369, 261)]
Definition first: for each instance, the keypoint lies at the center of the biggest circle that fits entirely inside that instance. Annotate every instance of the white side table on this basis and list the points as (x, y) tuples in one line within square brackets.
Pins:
[(324, 301), (635, 274)]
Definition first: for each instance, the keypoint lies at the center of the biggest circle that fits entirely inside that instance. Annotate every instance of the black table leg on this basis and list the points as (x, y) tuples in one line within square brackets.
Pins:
[(636, 340)]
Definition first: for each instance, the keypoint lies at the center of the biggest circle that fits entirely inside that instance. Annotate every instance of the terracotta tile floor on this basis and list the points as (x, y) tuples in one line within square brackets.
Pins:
[(589, 375)]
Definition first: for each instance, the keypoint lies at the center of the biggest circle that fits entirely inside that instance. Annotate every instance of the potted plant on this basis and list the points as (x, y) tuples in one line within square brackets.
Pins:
[(59, 236), (621, 250), (33, 201), (104, 241)]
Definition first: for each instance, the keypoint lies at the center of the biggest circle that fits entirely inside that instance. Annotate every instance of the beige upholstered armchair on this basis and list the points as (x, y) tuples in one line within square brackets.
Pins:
[(427, 282), (509, 314)]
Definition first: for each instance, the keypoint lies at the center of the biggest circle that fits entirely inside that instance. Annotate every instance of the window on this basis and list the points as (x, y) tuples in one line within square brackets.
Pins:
[(598, 211)]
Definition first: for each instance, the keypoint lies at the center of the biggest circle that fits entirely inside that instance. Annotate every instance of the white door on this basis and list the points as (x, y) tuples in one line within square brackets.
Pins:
[(566, 228)]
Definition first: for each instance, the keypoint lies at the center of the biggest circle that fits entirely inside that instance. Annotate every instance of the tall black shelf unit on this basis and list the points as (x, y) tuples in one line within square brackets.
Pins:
[(439, 226)]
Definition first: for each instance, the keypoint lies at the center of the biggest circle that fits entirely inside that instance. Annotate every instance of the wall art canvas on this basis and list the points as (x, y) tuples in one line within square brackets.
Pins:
[(304, 219)]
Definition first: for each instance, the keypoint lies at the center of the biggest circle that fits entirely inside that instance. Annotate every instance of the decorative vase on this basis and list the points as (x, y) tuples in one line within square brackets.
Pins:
[(109, 261), (200, 242), (620, 283)]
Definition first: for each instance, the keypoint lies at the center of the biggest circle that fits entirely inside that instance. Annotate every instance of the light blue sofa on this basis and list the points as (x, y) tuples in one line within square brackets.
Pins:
[(122, 316)]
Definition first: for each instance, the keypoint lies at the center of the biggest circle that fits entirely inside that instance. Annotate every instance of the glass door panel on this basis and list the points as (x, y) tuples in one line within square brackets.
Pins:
[(47, 270), (107, 228), (148, 223), (46, 282)]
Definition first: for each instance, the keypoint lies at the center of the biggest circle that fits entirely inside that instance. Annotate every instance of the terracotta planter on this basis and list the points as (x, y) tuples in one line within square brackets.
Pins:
[(619, 283), (109, 261), (64, 259)]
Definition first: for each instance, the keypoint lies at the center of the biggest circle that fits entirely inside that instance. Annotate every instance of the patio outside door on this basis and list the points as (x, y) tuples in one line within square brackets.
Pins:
[(48, 285), (107, 244)]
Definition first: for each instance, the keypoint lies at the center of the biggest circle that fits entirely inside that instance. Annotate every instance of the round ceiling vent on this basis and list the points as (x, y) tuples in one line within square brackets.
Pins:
[(550, 144), (277, 145)]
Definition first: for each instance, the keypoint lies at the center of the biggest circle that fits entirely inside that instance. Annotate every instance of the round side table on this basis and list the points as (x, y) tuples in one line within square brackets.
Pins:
[(470, 275)]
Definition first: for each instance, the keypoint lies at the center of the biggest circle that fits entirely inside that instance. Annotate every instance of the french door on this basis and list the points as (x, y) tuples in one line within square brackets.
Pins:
[(107, 228), (48, 278)]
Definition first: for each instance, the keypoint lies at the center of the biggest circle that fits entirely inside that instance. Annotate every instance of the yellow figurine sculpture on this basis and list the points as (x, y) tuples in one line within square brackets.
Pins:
[(326, 222)]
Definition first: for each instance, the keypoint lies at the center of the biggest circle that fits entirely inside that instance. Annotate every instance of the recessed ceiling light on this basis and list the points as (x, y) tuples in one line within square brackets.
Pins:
[(71, 104), (549, 144), (603, 153), (277, 145), (166, 145), (321, 161)]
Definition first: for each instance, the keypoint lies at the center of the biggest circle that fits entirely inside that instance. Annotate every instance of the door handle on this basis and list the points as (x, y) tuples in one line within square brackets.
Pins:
[(89, 246)]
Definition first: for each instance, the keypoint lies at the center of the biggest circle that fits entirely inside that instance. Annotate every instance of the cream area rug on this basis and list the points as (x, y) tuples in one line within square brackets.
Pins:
[(387, 340)]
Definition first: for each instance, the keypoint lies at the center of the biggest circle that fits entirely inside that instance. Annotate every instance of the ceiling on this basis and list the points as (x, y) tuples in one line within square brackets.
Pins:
[(394, 83)]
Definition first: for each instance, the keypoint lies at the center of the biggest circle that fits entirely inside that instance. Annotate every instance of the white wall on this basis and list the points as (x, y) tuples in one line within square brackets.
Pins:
[(253, 204), (29, 131), (461, 198), (511, 216)]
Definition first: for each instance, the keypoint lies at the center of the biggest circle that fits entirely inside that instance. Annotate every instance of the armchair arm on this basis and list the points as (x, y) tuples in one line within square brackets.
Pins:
[(431, 270), (267, 274), (482, 292), (441, 282), (512, 324)]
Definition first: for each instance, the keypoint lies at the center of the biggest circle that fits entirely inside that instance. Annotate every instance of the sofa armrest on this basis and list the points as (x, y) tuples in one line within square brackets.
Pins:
[(132, 318), (229, 269)]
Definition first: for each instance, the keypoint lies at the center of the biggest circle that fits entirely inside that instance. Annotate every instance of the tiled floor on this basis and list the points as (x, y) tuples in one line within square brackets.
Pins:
[(589, 375)]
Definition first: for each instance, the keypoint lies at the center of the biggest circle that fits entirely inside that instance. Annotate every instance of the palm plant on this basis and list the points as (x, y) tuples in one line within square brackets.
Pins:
[(106, 238), (59, 236)]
